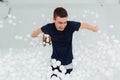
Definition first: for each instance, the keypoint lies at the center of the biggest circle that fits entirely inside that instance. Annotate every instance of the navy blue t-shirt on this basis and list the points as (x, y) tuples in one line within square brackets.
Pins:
[(62, 41)]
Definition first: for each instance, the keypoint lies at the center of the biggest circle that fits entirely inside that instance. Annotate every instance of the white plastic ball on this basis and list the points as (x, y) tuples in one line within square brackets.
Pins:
[(14, 17), (84, 15), (97, 16), (85, 11), (20, 21), (1, 26), (116, 41), (53, 63), (1, 21), (54, 78), (46, 35), (9, 16), (99, 31), (92, 13), (14, 24), (34, 23), (62, 68), (56, 72), (111, 26), (47, 40), (28, 36), (94, 21), (58, 63), (10, 21)]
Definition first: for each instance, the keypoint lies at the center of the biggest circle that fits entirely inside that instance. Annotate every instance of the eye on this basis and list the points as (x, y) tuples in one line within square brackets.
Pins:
[(65, 22), (60, 22)]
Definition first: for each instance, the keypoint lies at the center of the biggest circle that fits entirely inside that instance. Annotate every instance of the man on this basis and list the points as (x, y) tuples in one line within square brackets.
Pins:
[(61, 33)]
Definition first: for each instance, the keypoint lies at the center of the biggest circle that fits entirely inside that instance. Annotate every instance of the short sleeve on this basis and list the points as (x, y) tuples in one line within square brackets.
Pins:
[(45, 29), (75, 26)]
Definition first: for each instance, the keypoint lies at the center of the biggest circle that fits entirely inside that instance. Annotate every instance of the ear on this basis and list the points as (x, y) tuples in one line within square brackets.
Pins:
[(53, 19)]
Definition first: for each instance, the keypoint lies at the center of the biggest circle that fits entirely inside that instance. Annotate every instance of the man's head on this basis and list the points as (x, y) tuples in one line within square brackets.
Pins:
[(60, 18)]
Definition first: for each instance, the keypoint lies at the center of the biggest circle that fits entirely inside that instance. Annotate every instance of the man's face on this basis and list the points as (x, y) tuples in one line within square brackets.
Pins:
[(60, 23)]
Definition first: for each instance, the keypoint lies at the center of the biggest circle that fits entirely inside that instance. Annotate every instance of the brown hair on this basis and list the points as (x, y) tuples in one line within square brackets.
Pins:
[(61, 12)]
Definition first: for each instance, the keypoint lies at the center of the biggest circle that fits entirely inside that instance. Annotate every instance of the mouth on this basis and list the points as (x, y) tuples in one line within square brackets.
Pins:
[(61, 29)]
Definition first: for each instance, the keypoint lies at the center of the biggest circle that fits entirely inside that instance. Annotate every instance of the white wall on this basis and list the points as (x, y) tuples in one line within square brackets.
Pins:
[(31, 2)]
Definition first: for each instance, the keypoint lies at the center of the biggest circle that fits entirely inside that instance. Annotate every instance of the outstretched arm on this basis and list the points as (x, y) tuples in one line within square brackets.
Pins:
[(36, 32), (89, 27)]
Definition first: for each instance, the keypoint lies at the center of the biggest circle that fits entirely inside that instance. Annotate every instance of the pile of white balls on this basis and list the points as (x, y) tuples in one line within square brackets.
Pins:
[(58, 75)]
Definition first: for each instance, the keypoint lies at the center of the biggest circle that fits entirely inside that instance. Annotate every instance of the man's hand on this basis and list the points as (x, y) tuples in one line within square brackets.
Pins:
[(95, 29)]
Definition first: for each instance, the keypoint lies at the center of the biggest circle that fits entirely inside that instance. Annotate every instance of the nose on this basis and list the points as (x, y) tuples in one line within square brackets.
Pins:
[(62, 26)]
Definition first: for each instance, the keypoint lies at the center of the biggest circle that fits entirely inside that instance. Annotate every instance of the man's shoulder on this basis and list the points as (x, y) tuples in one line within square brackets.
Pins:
[(50, 24), (71, 23)]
